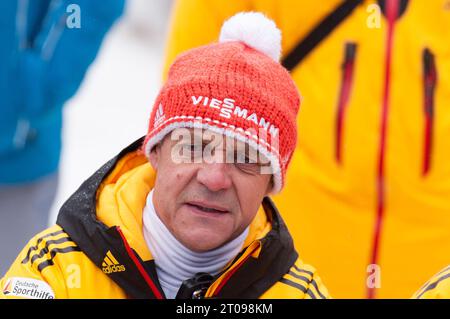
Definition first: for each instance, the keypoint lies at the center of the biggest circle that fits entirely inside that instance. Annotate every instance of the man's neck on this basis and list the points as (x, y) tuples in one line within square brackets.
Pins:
[(175, 262)]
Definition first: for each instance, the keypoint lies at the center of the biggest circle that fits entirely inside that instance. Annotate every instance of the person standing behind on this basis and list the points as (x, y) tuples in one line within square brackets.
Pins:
[(46, 49), (368, 194), (185, 211)]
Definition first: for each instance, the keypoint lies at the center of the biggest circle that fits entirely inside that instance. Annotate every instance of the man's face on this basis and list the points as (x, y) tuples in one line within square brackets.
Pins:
[(205, 200)]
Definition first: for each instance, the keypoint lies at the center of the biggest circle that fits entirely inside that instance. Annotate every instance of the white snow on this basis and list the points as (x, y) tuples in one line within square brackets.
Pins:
[(112, 107)]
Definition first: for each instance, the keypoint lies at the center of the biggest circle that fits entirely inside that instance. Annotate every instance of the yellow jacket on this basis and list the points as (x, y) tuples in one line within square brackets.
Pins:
[(341, 211), (437, 287), (97, 249)]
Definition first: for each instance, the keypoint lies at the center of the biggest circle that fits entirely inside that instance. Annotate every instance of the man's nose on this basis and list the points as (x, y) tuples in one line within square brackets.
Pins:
[(214, 176)]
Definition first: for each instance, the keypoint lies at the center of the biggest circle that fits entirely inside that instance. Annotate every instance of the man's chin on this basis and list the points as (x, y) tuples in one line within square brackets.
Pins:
[(201, 241)]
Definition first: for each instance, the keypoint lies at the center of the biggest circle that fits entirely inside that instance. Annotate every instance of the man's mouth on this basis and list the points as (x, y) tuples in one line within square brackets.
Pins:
[(207, 208)]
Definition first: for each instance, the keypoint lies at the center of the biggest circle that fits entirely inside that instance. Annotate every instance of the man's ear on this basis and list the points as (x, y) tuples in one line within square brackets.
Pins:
[(154, 157)]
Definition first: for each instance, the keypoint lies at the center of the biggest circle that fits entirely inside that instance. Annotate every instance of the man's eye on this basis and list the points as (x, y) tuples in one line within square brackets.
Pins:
[(247, 164), (248, 167)]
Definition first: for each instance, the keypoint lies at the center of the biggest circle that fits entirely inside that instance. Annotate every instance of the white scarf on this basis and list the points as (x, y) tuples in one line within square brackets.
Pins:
[(175, 262)]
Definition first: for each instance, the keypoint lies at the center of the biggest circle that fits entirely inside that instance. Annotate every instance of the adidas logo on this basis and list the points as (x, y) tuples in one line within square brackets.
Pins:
[(110, 264), (159, 116)]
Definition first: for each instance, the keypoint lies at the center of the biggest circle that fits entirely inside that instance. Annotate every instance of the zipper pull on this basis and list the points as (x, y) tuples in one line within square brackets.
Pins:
[(195, 287)]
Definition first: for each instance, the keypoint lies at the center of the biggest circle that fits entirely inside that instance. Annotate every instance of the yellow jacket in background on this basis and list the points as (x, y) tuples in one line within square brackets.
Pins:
[(342, 212)]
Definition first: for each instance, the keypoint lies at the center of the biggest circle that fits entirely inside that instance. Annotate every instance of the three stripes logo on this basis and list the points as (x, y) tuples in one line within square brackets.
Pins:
[(159, 116), (110, 264)]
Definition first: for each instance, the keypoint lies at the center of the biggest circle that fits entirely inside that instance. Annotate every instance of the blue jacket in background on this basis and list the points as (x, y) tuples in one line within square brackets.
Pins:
[(42, 63)]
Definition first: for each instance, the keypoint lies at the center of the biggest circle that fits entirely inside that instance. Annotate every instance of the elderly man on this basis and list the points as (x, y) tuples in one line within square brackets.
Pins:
[(184, 213), (374, 148)]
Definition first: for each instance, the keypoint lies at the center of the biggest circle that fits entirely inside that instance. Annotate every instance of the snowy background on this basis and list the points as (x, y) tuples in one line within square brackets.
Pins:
[(112, 107)]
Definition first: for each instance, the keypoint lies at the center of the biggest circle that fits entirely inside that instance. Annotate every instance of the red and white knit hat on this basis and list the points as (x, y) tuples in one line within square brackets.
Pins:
[(236, 87)]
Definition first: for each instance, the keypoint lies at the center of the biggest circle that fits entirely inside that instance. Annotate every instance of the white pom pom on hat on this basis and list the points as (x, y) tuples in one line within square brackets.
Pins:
[(255, 30)]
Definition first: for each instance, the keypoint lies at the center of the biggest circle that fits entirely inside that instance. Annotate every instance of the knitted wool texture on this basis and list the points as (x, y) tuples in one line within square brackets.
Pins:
[(235, 77)]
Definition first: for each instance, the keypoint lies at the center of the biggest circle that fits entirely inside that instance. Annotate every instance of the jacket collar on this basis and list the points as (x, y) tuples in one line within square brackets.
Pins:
[(257, 268)]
